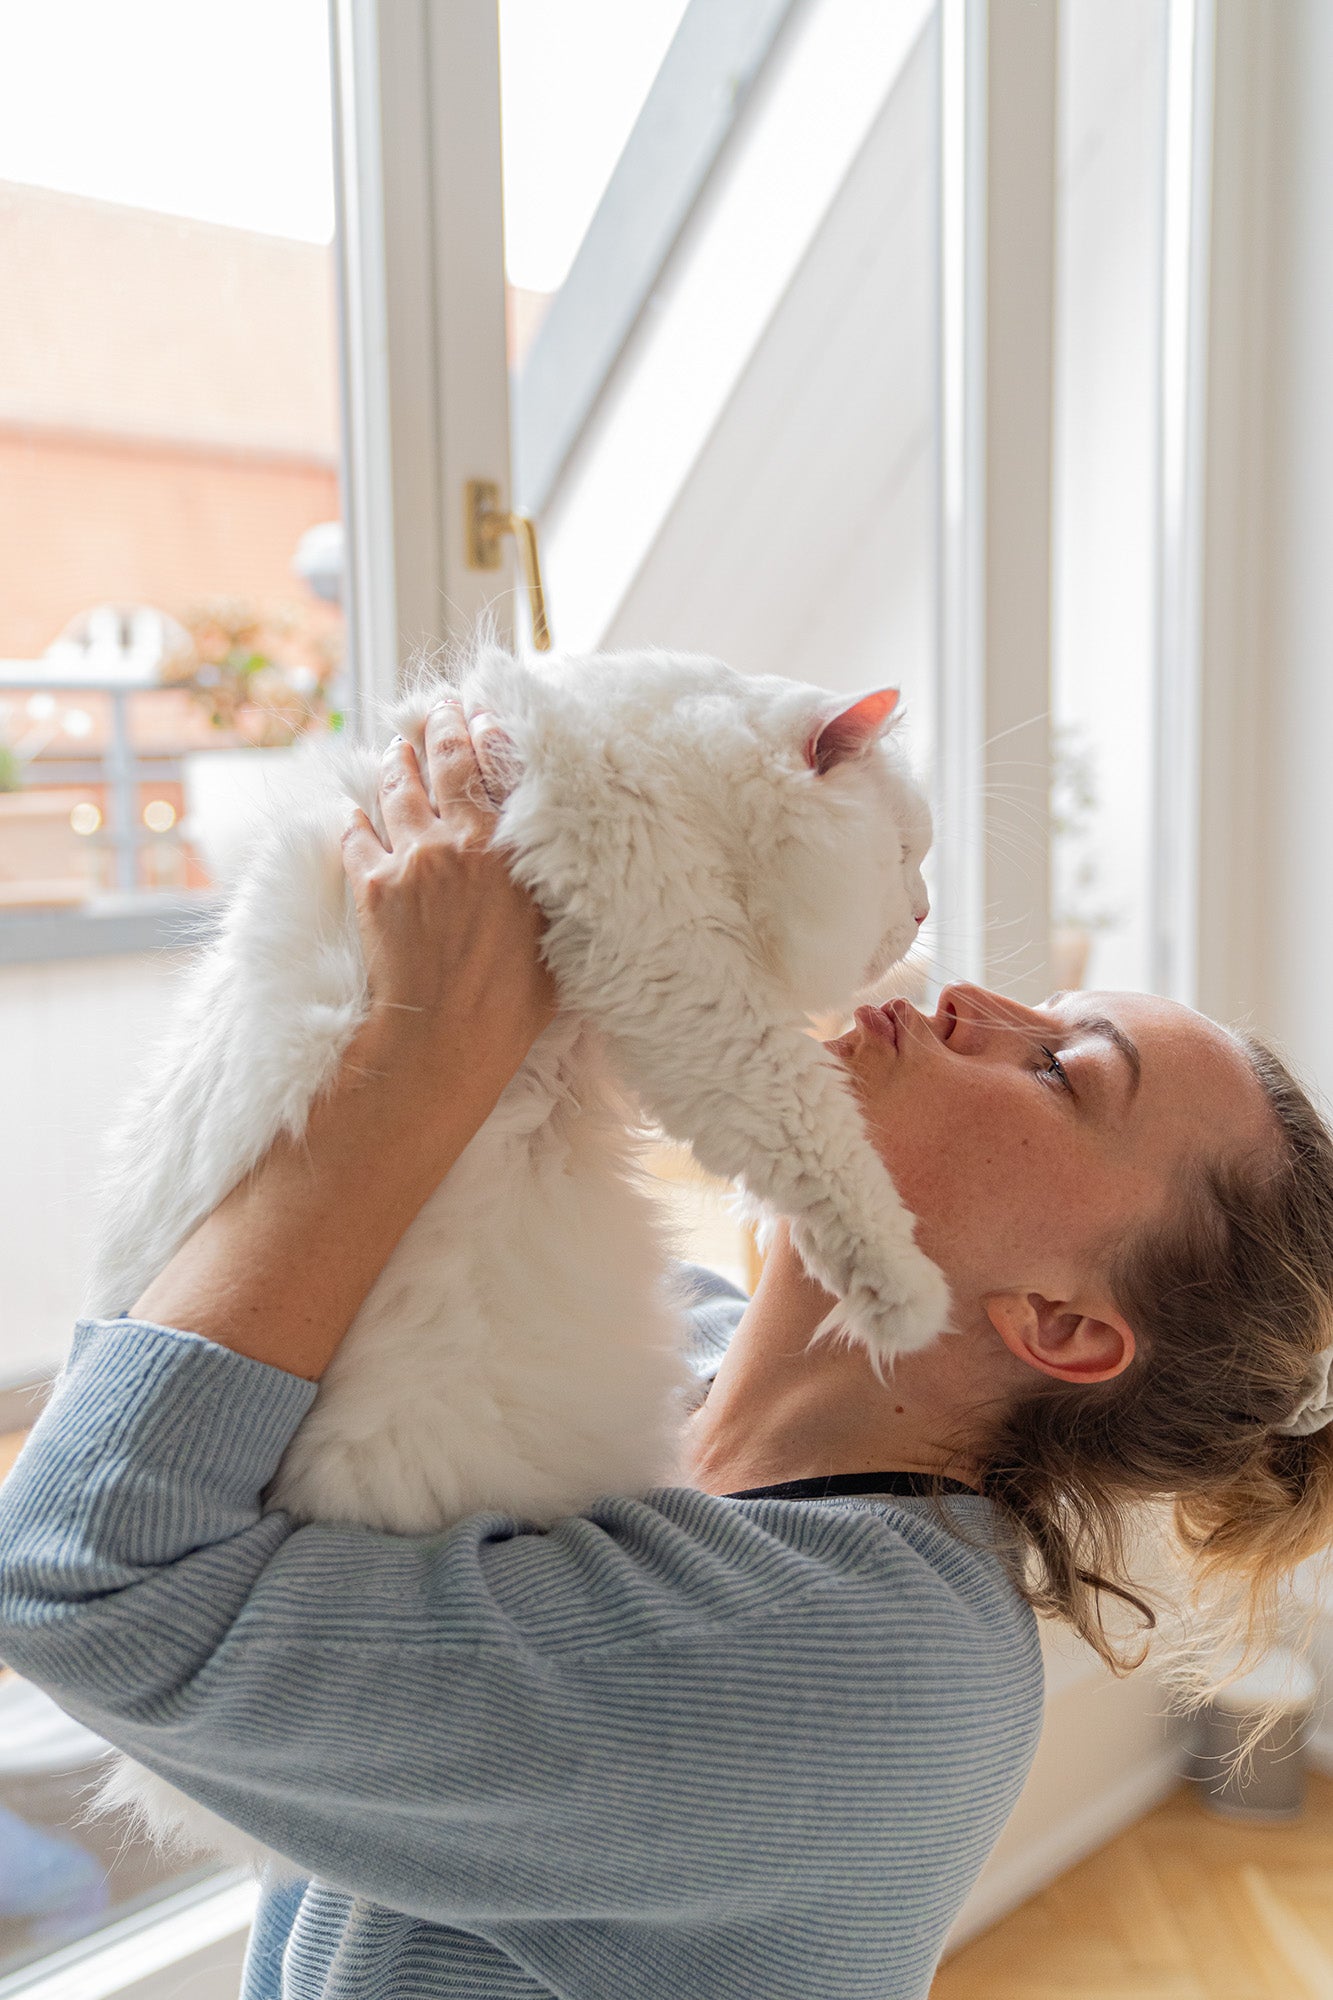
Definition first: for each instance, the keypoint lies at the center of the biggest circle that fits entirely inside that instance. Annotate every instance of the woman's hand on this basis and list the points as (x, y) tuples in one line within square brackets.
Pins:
[(450, 941)]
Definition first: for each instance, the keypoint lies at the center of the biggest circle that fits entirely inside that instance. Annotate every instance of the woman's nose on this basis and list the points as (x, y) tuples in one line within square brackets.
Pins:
[(968, 1014)]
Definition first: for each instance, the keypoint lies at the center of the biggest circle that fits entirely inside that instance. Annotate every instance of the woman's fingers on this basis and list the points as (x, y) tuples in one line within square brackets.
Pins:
[(424, 794), (454, 776), (493, 752), (404, 800), (362, 847)]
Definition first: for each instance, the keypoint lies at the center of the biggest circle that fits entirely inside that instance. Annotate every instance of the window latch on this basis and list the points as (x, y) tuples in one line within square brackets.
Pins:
[(487, 524)]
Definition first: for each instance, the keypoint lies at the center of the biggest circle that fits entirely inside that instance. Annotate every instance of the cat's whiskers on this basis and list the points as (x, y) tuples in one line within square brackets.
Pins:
[(1041, 715)]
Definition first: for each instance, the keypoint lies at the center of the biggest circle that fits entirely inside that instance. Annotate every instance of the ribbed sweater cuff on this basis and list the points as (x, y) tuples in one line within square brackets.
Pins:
[(182, 1401)]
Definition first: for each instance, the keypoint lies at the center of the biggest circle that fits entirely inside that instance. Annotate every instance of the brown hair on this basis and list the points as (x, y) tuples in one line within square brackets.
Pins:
[(1230, 1296)]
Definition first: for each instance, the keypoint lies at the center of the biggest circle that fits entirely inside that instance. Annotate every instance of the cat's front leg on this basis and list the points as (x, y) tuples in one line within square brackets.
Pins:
[(768, 1107), (889, 1313)]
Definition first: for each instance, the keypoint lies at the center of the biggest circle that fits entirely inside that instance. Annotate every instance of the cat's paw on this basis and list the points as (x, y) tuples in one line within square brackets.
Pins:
[(896, 1316)]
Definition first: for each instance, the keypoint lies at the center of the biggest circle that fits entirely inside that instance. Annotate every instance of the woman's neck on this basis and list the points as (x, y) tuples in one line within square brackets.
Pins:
[(780, 1409)]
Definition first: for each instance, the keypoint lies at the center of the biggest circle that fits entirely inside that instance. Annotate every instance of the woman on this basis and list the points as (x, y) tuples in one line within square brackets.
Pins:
[(753, 1737)]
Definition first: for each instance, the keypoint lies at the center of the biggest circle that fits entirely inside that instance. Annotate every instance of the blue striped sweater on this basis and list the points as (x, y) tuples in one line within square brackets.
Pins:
[(678, 1748)]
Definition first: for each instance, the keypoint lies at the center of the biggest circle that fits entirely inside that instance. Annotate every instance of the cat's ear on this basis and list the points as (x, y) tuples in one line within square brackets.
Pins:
[(843, 735)]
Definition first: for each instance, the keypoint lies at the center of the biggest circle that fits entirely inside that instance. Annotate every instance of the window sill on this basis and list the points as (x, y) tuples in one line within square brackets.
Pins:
[(192, 1942), (110, 926)]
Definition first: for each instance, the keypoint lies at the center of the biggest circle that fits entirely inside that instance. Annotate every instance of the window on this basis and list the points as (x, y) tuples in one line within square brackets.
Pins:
[(1107, 440), (169, 442), (169, 470)]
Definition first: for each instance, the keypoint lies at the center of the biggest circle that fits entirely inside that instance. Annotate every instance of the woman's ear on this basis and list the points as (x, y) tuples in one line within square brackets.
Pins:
[(1061, 1340)]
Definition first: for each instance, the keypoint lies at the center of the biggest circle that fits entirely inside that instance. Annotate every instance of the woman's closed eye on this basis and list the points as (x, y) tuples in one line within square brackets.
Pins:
[(1054, 1068)]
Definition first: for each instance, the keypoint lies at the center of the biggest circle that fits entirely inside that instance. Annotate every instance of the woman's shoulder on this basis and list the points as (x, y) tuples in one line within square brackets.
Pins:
[(893, 1554), (869, 1620), (892, 1587)]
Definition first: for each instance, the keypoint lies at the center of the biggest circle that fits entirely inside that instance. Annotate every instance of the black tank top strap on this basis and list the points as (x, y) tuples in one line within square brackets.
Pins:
[(909, 1485)]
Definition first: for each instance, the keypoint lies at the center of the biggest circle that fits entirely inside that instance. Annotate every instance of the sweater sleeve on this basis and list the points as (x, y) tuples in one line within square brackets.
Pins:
[(493, 1722)]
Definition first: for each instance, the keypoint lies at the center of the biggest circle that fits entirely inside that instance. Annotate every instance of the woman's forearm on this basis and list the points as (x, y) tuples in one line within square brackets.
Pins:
[(281, 1268)]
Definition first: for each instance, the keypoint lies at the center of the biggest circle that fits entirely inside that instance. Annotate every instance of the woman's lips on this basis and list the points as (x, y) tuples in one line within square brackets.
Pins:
[(881, 1021)]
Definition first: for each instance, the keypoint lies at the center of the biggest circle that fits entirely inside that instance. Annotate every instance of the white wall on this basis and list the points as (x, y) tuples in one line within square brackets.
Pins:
[(1266, 947), (73, 1034), (802, 541)]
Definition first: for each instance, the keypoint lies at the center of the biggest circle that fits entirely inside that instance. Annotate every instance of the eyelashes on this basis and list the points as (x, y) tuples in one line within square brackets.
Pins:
[(1053, 1067)]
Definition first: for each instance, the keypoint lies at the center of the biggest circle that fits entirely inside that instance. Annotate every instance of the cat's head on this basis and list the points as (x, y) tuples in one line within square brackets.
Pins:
[(836, 888), (798, 805)]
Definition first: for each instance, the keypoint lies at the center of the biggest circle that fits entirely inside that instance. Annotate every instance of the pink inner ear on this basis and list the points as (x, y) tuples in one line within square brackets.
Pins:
[(848, 732)]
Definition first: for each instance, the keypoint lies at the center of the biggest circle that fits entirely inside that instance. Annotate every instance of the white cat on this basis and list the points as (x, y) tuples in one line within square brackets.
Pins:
[(717, 856)]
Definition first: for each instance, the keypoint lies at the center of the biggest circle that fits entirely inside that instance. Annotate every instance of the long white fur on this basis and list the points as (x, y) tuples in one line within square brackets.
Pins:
[(705, 890)]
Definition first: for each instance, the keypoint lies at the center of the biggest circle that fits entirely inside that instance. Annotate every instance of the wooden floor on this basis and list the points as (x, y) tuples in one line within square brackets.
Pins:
[(1183, 1906)]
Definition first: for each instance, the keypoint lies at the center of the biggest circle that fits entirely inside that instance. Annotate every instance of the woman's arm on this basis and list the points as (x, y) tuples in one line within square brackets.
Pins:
[(674, 1714), (281, 1267)]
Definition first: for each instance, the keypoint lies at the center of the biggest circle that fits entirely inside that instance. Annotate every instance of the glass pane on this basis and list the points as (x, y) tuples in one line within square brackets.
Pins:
[(168, 427), (575, 79), (169, 450), (1109, 276), (722, 327)]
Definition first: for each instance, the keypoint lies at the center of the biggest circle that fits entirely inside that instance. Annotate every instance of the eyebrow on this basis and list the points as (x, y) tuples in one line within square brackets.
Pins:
[(1111, 1031)]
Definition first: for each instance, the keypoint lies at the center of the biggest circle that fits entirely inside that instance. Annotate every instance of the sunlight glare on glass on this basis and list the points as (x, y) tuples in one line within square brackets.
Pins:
[(218, 113), (573, 79)]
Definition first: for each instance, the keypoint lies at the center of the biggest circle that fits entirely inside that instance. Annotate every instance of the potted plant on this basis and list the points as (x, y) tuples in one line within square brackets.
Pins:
[(265, 680)]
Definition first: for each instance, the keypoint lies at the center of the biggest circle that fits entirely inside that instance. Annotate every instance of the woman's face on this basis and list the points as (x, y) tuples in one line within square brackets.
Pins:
[(1029, 1140)]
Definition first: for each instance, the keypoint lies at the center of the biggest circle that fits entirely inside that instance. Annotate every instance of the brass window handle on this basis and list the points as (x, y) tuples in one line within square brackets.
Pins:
[(487, 523)]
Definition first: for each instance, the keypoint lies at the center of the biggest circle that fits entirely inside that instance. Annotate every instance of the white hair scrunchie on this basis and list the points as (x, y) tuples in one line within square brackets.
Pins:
[(1315, 1408)]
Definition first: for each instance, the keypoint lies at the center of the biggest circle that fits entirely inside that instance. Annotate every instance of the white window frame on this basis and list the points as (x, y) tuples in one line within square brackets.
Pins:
[(426, 391), (999, 81), (1179, 772)]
